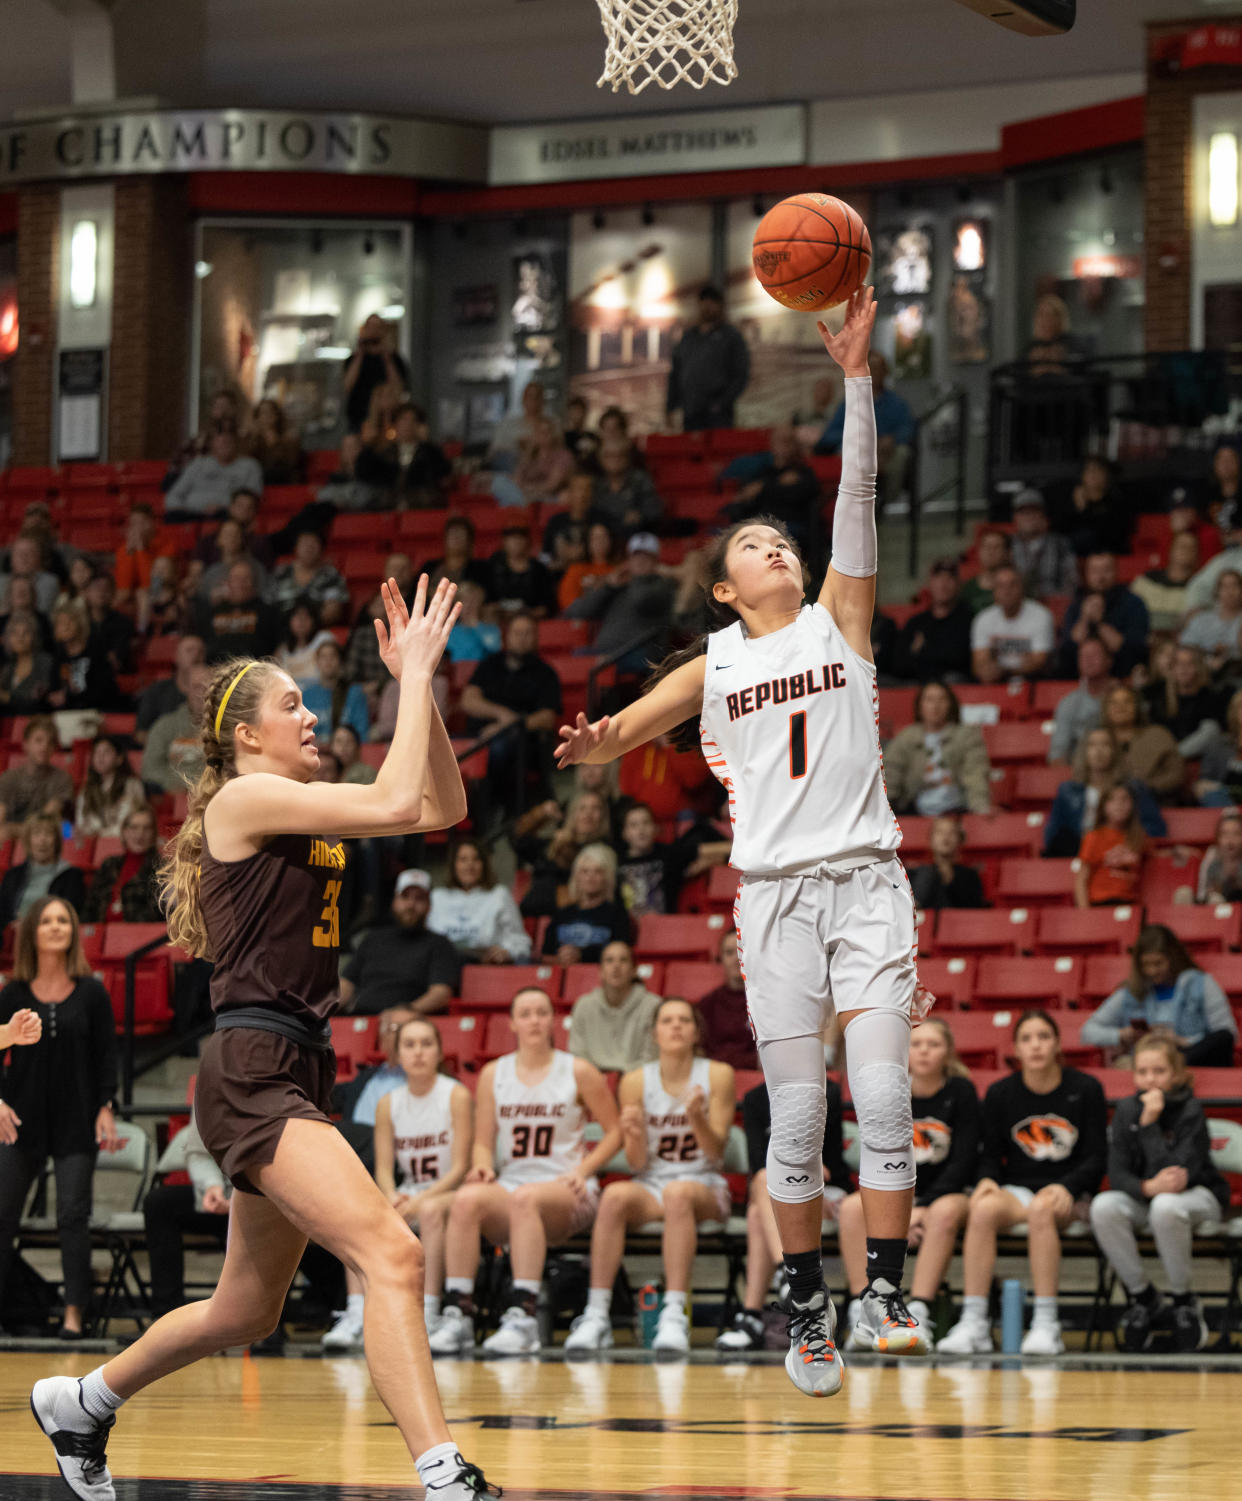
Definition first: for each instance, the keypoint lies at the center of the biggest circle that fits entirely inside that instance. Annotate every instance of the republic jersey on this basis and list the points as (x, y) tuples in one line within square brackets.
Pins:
[(422, 1128), (790, 727), (538, 1127), (673, 1150)]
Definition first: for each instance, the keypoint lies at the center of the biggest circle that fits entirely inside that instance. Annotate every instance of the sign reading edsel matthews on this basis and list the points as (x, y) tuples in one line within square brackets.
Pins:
[(704, 141), (239, 140)]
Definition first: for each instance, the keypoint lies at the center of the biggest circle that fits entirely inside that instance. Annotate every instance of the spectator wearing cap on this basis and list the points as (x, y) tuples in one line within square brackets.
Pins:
[(1044, 558), (624, 495), (895, 431), (710, 368), (634, 606), (991, 553), (1012, 637), (1079, 711), (206, 484), (726, 1020), (403, 963), (1164, 590), (519, 581), (935, 643), (1105, 608)]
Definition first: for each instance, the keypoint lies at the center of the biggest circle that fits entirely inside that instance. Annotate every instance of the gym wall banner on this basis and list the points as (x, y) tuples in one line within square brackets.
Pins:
[(238, 140), (705, 141)]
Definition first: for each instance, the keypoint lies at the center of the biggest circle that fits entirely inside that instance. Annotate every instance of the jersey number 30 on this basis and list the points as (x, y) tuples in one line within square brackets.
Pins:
[(532, 1143), (797, 745)]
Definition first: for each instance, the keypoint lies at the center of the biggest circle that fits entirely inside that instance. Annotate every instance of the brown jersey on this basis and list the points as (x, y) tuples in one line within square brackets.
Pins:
[(274, 926)]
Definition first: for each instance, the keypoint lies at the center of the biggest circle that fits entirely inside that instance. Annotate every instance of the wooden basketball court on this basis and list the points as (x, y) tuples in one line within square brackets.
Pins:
[(312, 1429)]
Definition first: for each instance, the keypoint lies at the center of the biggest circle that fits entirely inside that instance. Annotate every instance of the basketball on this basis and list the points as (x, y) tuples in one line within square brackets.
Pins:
[(811, 252)]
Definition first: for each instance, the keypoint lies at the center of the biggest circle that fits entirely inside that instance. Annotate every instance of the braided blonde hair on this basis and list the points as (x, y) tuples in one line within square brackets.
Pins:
[(181, 868)]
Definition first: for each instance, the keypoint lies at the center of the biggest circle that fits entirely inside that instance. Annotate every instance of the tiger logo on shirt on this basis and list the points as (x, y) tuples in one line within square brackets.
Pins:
[(1045, 1138), (933, 1141)]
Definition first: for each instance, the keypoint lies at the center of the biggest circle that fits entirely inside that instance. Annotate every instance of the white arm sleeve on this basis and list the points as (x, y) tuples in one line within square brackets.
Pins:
[(854, 545)]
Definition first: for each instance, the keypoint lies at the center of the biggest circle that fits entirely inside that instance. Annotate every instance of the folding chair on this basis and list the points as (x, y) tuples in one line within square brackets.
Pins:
[(123, 1232)]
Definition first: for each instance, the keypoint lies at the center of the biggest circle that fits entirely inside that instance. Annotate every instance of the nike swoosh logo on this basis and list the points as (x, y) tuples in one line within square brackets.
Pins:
[(723, 667)]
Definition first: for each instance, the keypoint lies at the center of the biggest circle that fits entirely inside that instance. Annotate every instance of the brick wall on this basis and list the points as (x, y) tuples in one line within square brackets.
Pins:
[(1167, 229), (38, 275), (152, 299)]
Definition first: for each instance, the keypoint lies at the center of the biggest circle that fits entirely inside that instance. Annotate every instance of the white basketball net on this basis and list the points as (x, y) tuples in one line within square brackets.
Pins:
[(667, 42)]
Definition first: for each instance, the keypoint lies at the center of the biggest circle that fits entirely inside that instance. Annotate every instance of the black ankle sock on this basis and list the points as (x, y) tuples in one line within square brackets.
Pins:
[(1147, 1296), (1183, 1300), (464, 1301), (887, 1259), (805, 1270), (523, 1298)]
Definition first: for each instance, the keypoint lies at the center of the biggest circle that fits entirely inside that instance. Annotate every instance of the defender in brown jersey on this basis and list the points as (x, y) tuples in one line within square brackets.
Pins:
[(253, 882)]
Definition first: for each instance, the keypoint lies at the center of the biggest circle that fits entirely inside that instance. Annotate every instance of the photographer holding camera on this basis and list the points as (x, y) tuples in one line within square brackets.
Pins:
[(375, 364)]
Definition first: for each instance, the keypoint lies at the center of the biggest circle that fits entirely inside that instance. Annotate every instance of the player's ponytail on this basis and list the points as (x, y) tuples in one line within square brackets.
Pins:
[(233, 697), (714, 561)]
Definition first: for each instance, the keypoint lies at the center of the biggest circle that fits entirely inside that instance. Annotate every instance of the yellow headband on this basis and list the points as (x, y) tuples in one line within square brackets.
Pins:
[(228, 693)]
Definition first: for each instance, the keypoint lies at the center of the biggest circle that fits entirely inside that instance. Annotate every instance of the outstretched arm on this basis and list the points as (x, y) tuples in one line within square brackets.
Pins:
[(849, 587), (671, 701)]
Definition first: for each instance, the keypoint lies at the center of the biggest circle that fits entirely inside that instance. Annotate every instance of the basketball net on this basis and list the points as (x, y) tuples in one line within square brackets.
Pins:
[(667, 42)]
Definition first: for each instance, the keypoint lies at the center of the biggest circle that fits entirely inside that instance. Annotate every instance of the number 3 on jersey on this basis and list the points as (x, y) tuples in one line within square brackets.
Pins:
[(797, 745), (328, 934)]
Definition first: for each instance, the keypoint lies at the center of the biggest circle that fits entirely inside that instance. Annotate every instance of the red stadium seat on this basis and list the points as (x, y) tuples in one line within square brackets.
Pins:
[(491, 987), (1167, 881), (355, 1041), (677, 936), (419, 526), (984, 1039), (915, 836), (1047, 694), (1009, 700), (691, 979), (498, 1037), (722, 882), (1000, 931), (662, 446), (1040, 883), (685, 474), (1226, 970), (557, 636), (951, 980), (367, 528), (461, 1038), (1202, 929), (1035, 786), (735, 440), (1028, 982), (122, 938), (1023, 742), (896, 710), (1194, 826), (1102, 974), (1071, 930), (1003, 833)]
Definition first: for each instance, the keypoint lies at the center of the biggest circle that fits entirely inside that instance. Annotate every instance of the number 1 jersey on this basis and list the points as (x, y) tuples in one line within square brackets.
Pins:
[(790, 727)]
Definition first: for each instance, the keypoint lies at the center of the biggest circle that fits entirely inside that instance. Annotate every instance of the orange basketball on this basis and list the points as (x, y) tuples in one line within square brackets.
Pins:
[(811, 252)]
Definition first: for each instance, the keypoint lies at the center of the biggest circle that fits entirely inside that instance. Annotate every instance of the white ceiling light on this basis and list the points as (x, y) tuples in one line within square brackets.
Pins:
[(1223, 179), (83, 263)]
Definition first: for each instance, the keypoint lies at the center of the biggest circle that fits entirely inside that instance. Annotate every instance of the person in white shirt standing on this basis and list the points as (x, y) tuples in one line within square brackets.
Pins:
[(1012, 637), (787, 700), (675, 1117)]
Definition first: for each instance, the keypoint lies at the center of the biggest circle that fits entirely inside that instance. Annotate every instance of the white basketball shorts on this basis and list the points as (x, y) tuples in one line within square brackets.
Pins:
[(833, 939)]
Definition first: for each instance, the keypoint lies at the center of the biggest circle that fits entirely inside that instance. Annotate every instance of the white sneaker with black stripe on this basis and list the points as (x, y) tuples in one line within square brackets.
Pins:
[(79, 1440)]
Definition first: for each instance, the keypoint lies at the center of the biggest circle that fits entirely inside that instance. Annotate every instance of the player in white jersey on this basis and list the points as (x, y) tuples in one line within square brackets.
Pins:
[(424, 1129), (532, 1183), (786, 695), (675, 1117)]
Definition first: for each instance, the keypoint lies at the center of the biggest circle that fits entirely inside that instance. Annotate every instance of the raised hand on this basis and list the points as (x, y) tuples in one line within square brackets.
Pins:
[(580, 739), (415, 639), (850, 347)]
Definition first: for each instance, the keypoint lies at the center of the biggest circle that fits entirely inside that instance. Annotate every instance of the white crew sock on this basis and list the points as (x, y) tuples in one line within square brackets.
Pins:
[(1046, 1311), (527, 1285), (974, 1310), (96, 1397), (431, 1307), (439, 1462), (355, 1303), (599, 1300), (675, 1299), (462, 1286)]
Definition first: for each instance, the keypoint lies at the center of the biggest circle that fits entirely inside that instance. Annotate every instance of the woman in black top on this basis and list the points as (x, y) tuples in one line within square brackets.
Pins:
[(1045, 1130), (253, 882), (56, 1096), (946, 1154), (594, 918), (763, 1241)]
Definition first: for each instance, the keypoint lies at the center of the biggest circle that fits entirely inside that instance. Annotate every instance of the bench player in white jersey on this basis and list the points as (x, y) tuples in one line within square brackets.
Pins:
[(532, 1183), (786, 694), (423, 1133), (675, 1117)]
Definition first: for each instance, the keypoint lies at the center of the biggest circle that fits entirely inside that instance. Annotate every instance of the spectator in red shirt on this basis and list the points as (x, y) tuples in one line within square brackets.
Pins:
[(136, 554), (725, 1017), (1111, 855), (664, 778)]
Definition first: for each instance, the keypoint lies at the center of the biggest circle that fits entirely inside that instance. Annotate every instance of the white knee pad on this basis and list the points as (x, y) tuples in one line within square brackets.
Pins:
[(877, 1047), (795, 1149)]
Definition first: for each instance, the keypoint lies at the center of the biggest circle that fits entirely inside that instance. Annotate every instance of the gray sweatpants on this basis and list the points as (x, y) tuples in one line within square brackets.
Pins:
[(1117, 1219)]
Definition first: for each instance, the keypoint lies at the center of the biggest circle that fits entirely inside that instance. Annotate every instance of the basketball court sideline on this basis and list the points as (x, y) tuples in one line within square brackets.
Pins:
[(313, 1430)]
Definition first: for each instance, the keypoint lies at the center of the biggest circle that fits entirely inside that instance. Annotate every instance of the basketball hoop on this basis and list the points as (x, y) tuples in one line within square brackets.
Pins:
[(667, 42)]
